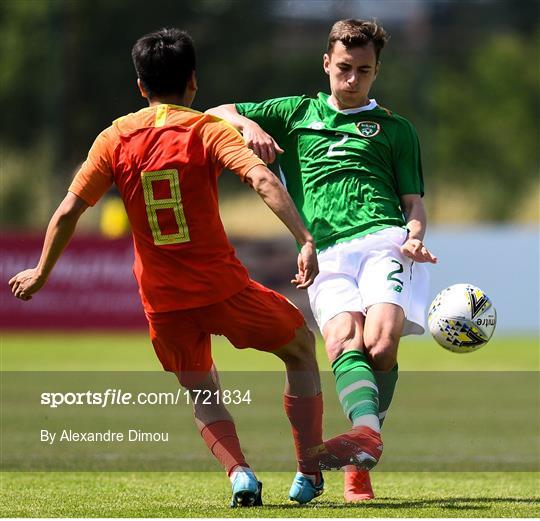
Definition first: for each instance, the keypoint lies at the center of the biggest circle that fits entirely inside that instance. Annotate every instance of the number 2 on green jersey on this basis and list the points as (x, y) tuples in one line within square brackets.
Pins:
[(174, 203), (332, 148)]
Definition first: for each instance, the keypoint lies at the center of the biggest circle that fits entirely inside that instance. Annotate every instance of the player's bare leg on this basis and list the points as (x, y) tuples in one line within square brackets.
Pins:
[(302, 400), (382, 330), (218, 431), (302, 370)]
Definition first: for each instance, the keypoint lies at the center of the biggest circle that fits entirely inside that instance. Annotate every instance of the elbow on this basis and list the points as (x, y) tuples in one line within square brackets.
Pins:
[(67, 214), (413, 207), (66, 218), (264, 182), (408, 210)]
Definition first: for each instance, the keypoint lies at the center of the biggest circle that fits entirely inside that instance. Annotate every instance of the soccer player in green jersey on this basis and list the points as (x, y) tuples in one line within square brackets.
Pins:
[(354, 172)]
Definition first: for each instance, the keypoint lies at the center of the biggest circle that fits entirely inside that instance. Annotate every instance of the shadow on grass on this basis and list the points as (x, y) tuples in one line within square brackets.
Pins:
[(456, 503), (365, 508)]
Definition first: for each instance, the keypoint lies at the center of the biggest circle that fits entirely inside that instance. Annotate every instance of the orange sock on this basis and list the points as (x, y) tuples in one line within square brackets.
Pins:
[(305, 416), (222, 440)]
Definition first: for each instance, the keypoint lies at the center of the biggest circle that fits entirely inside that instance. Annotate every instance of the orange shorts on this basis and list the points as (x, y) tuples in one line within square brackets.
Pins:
[(255, 317)]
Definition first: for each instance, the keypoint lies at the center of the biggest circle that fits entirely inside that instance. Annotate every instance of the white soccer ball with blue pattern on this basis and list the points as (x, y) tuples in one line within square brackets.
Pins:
[(462, 318)]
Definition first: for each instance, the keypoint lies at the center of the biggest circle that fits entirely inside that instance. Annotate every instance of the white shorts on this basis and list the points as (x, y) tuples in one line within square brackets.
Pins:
[(369, 270)]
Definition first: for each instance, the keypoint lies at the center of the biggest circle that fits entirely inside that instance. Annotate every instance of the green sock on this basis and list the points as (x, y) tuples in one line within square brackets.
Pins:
[(357, 389), (386, 382)]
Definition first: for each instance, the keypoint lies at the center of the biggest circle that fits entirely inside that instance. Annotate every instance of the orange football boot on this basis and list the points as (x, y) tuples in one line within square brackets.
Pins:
[(357, 485)]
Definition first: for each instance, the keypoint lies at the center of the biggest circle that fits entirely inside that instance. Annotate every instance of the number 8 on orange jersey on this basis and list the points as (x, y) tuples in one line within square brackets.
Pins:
[(174, 203)]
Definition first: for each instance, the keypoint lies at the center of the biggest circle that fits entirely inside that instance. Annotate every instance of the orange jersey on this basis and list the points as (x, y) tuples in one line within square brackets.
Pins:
[(165, 161)]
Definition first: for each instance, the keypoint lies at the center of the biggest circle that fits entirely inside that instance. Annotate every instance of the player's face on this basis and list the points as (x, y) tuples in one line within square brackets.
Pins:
[(351, 72)]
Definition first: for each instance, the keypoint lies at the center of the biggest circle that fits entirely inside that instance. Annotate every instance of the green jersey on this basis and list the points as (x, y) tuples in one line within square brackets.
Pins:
[(345, 170)]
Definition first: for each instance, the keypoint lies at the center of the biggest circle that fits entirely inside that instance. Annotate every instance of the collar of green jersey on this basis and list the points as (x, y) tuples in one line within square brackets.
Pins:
[(325, 98)]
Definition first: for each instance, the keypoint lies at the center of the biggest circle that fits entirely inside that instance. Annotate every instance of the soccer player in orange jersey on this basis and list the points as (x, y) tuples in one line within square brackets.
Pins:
[(165, 160)]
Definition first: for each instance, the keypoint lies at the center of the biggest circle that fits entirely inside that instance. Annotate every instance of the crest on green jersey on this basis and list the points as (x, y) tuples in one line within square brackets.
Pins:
[(368, 128)]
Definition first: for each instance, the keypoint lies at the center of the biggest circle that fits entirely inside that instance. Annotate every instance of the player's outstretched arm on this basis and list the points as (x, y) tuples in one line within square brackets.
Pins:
[(59, 232), (256, 138), (414, 211), (278, 200)]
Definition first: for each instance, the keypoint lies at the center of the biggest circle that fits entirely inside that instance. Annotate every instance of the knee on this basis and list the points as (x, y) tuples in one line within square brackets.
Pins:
[(382, 353), (337, 340), (335, 346), (302, 348), (305, 341)]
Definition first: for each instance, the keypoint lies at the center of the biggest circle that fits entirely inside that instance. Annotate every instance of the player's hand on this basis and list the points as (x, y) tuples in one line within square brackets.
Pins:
[(308, 267), (260, 142), (415, 250), (26, 283)]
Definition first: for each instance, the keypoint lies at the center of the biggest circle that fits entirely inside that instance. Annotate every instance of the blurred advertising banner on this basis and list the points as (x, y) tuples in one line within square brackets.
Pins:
[(92, 286)]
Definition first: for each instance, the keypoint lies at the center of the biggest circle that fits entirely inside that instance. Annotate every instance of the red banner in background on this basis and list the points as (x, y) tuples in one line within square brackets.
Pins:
[(91, 287)]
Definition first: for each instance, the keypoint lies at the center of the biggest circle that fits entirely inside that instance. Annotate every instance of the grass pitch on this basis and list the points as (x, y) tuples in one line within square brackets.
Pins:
[(133, 352), (206, 494)]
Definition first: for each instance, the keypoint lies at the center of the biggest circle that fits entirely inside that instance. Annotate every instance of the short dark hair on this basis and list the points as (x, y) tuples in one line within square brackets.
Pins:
[(164, 61), (357, 33)]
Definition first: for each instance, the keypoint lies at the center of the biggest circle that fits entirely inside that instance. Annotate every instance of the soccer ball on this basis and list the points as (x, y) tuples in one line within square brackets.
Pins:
[(462, 318)]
